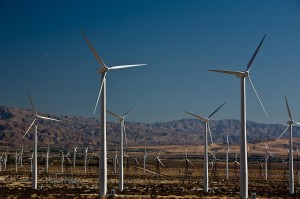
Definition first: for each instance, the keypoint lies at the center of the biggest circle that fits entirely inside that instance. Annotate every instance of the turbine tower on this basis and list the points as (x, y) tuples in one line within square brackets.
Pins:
[(291, 162), (123, 132), (207, 127), (267, 156), (243, 148), (103, 151), (227, 157), (36, 117)]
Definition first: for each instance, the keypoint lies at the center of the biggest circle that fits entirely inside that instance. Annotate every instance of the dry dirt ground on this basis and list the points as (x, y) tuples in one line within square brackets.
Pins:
[(175, 179)]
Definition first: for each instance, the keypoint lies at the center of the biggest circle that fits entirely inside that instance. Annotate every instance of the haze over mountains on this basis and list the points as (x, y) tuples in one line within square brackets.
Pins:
[(84, 131)]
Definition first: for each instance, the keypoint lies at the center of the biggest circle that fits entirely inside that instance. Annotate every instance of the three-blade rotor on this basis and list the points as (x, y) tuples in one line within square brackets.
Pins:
[(104, 68), (206, 120), (291, 121), (245, 74), (36, 116)]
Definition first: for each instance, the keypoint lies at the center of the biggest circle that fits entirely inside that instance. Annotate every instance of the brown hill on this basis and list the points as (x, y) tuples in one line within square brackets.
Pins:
[(82, 131)]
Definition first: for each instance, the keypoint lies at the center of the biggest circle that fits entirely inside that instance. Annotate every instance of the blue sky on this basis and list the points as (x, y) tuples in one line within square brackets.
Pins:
[(42, 50)]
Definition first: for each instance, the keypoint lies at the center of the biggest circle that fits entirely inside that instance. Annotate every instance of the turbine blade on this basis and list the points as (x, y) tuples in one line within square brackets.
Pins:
[(100, 92), (189, 161), (98, 58), (288, 108), (283, 132), (29, 128), (69, 159), (255, 53), (160, 162), (237, 73), (297, 123), (129, 112), (227, 141), (32, 105), (257, 96), (48, 118), (212, 143), (125, 136), (216, 110), (114, 115), (126, 66), (196, 116)]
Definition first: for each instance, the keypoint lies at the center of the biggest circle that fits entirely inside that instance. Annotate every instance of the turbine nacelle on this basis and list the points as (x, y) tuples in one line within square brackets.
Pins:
[(102, 70)]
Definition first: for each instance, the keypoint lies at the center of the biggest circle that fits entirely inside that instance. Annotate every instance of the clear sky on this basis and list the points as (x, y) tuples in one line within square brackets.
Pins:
[(42, 49)]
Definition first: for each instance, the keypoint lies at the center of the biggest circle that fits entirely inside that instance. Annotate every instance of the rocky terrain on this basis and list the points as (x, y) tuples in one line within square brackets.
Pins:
[(82, 131)]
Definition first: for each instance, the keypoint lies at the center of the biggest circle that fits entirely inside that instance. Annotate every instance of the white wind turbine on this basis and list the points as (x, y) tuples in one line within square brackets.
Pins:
[(17, 156), (267, 156), (74, 157), (187, 161), (115, 161), (5, 158), (243, 149), (21, 155), (47, 159), (63, 156), (207, 128), (85, 158), (36, 117), (145, 160), (291, 168), (103, 151), (122, 133), (158, 163), (227, 157)]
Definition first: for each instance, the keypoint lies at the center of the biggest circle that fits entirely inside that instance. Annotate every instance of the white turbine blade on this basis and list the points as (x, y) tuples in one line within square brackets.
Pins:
[(125, 136), (125, 66), (98, 58), (69, 159), (257, 96), (288, 108), (48, 118), (31, 102), (237, 73), (196, 116), (212, 143), (296, 123), (283, 132), (114, 115), (160, 162), (100, 92), (129, 112), (216, 110), (29, 128), (189, 161), (227, 141), (255, 53)]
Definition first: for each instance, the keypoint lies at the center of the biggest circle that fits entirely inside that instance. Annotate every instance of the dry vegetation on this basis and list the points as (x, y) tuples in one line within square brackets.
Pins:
[(175, 180)]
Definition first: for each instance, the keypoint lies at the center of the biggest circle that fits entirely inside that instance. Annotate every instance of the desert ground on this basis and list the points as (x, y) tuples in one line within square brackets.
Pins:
[(175, 179)]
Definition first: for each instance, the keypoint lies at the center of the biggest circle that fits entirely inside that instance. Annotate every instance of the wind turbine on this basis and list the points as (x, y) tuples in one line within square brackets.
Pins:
[(187, 162), (243, 149), (63, 156), (291, 168), (145, 159), (85, 158), (122, 125), (47, 159), (103, 151), (16, 160), (158, 163), (207, 127), (267, 156), (74, 157), (21, 155), (236, 162), (36, 117), (227, 157), (1, 159)]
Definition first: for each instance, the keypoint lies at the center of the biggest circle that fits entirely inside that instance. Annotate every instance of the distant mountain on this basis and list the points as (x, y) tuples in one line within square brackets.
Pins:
[(82, 131)]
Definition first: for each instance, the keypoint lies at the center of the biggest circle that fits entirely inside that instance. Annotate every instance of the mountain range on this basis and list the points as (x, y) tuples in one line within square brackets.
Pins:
[(78, 131)]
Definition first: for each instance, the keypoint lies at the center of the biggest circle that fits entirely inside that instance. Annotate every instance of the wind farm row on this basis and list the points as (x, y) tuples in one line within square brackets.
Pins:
[(101, 153)]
